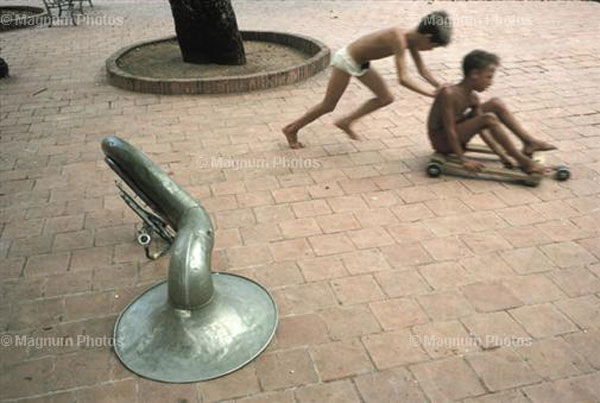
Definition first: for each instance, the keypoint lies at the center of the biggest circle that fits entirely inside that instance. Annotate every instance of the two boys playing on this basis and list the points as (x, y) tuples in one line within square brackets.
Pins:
[(456, 114)]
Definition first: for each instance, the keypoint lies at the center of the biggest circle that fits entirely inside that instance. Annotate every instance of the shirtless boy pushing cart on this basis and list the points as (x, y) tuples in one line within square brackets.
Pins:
[(433, 31)]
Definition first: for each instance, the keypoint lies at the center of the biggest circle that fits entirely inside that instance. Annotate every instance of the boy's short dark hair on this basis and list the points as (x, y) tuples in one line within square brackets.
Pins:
[(479, 60), (437, 24)]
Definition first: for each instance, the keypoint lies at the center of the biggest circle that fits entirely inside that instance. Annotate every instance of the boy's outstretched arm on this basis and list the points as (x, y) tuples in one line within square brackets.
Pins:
[(423, 71), (496, 148), (403, 78)]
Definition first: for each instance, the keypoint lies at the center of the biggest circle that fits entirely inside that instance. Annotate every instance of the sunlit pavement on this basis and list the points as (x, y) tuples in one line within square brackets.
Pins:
[(392, 286)]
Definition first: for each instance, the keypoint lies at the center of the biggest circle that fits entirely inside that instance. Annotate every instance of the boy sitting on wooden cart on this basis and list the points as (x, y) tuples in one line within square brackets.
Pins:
[(457, 115)]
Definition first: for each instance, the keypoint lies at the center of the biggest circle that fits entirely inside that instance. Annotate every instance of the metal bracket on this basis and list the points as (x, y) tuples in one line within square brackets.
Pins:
[(152, 224)]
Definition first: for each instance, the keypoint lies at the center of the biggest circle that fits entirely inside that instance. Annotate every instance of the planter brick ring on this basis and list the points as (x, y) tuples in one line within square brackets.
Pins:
[(15, 17), (274, 59)]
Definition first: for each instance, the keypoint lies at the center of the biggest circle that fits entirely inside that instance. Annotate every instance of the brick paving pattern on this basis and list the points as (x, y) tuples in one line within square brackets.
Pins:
[(392, 286)]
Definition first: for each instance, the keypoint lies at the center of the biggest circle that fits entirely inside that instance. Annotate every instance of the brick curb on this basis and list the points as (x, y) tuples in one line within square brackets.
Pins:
[(231, 84), (19, 23)]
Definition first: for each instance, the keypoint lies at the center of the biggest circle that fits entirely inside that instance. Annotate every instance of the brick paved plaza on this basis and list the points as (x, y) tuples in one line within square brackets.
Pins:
[(391, 286)]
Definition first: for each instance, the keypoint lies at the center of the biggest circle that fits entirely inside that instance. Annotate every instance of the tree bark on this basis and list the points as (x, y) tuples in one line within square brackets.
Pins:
[(3, 68), (207, 32)]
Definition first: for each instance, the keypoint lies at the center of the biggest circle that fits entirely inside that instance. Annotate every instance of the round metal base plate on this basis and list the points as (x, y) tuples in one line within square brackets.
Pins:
[(161, 343)]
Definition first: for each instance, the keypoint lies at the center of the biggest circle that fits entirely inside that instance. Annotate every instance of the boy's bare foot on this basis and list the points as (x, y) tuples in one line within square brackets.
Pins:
[(537, 145), (292, 137), (532, 167), (345, 126)]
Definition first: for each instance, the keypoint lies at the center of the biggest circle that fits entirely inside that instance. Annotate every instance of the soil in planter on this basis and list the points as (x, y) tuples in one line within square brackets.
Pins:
[(163, 60)]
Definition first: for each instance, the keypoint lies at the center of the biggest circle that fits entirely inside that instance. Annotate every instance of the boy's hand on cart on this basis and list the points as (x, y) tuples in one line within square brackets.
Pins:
[(473, 166)]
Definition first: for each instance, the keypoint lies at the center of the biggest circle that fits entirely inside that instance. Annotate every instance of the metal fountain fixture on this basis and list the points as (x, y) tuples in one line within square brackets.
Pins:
[(196, 325)]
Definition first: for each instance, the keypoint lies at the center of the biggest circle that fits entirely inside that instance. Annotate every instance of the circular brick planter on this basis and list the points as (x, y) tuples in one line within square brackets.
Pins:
[(317, 59), (34, 16)]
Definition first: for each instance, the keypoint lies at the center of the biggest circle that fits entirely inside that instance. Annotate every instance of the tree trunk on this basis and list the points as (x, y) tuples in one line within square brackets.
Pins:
[(3, 68), (207, 32)]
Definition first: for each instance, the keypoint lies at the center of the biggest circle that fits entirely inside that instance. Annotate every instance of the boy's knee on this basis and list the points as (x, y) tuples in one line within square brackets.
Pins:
[(386, 100), (328, 107), (497, 104)]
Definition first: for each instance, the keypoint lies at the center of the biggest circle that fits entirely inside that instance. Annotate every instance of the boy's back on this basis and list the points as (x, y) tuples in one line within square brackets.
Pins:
[(377, 45), (449, 96)]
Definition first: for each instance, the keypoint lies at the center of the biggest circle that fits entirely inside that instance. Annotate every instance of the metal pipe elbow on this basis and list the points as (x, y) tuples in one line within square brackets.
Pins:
[(190, 283)]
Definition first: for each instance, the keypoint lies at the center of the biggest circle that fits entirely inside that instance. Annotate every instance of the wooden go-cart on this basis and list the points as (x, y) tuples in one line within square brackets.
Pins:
[(450, 164)]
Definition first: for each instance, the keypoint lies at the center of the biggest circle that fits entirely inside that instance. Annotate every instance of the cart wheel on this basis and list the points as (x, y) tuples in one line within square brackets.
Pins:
[(562, 173), (434, 169)]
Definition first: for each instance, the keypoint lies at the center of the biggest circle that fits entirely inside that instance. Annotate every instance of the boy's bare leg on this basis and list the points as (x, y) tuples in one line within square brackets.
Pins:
[(496, 148), (384, 97), (489, 121), (338, 82), (530, 143)]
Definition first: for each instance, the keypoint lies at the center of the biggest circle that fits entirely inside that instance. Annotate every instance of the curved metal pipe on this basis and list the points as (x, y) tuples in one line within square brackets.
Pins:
[(189, 282)]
